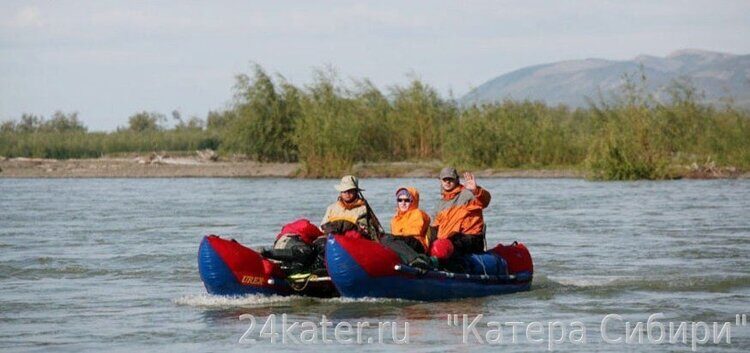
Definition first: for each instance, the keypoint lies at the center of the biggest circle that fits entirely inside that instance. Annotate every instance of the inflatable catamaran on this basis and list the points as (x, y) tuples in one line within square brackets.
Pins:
[(363, 268)]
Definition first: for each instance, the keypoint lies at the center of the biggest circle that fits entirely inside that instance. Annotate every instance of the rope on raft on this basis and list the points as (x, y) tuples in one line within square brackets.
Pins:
[(299, 282)]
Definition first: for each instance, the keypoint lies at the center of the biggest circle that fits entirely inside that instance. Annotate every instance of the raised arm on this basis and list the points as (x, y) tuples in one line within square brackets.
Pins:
[(482, 197)]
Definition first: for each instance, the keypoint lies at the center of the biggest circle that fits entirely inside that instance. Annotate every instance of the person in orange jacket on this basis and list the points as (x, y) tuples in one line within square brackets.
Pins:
[(458, 226), (410, 224)]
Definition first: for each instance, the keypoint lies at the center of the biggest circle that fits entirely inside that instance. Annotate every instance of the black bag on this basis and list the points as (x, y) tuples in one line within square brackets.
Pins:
[(290, 248)]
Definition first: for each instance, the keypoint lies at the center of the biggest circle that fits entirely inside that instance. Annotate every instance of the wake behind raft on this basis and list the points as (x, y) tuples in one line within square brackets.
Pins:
[(360, 268)]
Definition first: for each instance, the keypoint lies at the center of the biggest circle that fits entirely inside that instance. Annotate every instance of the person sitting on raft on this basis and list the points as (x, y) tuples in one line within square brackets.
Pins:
[(350, 212), (409, 228), (410, 224), (458, 226)]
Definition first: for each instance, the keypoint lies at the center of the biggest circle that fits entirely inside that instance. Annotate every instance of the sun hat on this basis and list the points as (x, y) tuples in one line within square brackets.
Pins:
[(348, 182)]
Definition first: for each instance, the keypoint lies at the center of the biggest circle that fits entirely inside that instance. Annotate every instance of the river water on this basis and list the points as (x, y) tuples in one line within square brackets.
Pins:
[(110, 264)]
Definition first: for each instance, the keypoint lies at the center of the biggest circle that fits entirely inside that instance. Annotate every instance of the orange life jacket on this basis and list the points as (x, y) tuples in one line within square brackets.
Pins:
[(412, 222)]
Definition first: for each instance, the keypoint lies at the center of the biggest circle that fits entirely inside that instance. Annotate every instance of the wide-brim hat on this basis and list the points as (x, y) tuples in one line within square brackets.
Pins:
[(348, 182)]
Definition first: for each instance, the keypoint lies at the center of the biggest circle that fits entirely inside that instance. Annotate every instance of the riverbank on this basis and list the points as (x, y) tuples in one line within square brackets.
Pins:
[(186, 167), (159, 166), (141, 167)]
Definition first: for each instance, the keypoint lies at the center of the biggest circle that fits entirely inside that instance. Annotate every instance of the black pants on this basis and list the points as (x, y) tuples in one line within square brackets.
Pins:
[(407, 248), (413, 243), (463, 244), (468, 244)]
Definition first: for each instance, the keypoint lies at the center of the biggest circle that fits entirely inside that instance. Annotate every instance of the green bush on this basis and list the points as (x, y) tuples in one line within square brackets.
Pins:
[(339, 126), (418, 120), (264, 119)]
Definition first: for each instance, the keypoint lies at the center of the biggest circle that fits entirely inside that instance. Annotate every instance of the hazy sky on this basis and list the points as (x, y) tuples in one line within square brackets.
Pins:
[(110, 59)]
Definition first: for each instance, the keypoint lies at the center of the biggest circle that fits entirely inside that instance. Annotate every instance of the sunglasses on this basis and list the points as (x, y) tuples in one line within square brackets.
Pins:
[(449, 180), (403, 200)]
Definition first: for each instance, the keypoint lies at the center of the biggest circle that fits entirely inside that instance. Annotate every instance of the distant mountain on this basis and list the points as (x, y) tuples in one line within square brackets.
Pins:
[(715, 75)]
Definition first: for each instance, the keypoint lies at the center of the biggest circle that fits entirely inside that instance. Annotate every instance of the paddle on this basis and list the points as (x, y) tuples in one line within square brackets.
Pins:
[(374, 219)]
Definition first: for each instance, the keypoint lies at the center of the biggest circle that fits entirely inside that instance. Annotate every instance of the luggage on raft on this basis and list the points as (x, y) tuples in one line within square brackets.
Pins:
[(364, 268), (229, 268)]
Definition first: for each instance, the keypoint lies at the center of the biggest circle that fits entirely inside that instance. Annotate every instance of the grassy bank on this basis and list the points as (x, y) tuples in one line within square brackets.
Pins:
[(330, 127)]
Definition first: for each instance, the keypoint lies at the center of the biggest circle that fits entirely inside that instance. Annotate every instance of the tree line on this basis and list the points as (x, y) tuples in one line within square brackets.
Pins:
[(329, 125)]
